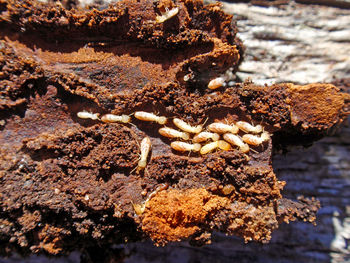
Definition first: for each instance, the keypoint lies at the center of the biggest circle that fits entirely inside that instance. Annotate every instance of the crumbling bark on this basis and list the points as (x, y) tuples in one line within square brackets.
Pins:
[(303, 243), (286, 43)]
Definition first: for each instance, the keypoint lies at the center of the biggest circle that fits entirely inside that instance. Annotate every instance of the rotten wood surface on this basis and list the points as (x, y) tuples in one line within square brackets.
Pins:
[(294, 43), (300, 44)]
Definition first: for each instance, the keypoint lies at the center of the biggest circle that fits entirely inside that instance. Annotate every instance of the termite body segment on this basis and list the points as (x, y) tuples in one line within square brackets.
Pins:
[(145, 149), (219, 127), (237, 141), (172, 133), (214, 145), (116, 118), (186, 127), (88, 115), (204, 136), (246, 127), (148, 116), (138, 208), (224, 145), (167, 15), (256, 140), (216, 83), (158, 189), (185, 147)]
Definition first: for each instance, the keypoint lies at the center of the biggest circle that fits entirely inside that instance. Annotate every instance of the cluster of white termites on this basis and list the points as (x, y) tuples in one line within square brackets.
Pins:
[(209, 137)]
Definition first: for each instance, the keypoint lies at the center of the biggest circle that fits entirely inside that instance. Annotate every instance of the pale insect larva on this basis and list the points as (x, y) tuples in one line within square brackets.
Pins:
[(167, 14), (159, 188), (237, 141), (204, 136), (147, 116), (216, 83), (246, 127), (172, 133), (88, 115), (138, 208), (185, 147), (214, 145), (116, 118), (145, 149), (256, 140), (219, 127), (186, 127)]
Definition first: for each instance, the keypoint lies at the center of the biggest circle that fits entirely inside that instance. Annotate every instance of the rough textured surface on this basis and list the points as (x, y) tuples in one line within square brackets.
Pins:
[(293, 43), (69, 183)]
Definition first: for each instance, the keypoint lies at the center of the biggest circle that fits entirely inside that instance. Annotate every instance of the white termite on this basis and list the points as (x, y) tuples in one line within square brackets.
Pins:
[(256, 140), (237, 141), (186, 127), (214, 145), (220, 127), (185, 147), (172, 133), (88, 115), (167, 14), (148, 116), (116, 118), (204, 136), (145, 149), (139, 208), (159, 188), (217, 83), (246, 127)]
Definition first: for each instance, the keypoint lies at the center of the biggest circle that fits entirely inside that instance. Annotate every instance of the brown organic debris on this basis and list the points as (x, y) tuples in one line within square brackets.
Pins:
[(70, 176)]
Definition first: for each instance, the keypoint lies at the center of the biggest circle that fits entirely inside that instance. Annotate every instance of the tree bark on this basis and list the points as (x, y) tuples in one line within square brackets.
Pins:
[(297, 43)]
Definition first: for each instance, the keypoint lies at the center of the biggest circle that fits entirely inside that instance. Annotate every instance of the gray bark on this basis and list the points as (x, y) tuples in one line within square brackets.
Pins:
[(293, 43)]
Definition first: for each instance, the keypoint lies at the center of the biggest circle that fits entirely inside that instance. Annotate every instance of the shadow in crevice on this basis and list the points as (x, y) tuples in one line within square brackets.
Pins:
[(166, 56), (18, 99)]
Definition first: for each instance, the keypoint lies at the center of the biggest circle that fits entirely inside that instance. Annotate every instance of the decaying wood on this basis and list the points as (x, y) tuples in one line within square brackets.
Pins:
[(300, 44)]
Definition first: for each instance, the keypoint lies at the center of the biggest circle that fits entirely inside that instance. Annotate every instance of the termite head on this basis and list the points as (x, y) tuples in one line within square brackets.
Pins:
[(259, 128), (244, 148), (142, 164), (196, 147), (126, 118), (265, 136), (162, 120), (185, 136), (198, 128), (215, 137), (139, 208), (224, 145)]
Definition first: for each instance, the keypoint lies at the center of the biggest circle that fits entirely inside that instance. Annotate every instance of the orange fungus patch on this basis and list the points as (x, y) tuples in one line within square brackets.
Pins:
[(173, 215)]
